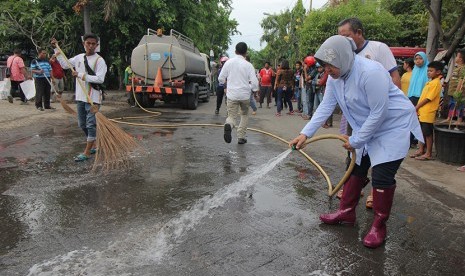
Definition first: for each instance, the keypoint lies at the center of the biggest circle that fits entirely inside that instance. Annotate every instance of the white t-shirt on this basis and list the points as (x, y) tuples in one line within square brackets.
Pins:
[(379, 52), (241, 78), (96, 63)]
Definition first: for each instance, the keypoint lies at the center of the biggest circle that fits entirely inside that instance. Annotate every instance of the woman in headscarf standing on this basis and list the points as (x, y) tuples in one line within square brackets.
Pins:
[(417, 83), (382, 119), (419, 77)]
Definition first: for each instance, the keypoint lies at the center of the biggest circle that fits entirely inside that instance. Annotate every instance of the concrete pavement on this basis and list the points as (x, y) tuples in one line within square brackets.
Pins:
[(195, 205), (14, 117)]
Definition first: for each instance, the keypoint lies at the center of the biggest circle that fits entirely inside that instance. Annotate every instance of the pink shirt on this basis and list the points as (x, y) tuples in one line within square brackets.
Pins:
[(16, 63)]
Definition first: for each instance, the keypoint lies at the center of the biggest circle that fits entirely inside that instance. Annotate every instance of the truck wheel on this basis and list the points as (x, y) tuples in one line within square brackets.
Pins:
[(144, 100), (193, 99), (207, 98), (148, 102)]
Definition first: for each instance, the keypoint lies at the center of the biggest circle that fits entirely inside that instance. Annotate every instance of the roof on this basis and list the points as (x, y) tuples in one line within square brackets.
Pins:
[(406, 52)]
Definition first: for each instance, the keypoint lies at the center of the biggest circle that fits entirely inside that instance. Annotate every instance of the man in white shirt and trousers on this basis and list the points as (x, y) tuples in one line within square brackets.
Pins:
[(241, 79), (86, 117)]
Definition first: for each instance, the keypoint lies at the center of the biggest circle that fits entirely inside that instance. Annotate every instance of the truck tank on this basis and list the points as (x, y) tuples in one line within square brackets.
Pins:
[(175, 54)]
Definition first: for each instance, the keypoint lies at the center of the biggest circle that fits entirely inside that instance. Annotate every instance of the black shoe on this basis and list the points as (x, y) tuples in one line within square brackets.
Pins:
[(227, 133), (241, 141), (260, 105), (10, 99), (49, 107), (217, 111)]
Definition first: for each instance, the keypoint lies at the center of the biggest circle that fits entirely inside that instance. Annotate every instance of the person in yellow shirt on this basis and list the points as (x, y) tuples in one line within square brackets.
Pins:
[(426, 108), (405, 79)]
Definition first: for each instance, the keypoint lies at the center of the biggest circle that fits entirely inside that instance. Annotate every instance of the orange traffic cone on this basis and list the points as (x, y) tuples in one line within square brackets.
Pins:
[(158, 79)]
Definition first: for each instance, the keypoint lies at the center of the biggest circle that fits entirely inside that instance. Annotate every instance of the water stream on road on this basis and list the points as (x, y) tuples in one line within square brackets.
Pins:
[(150, 244)]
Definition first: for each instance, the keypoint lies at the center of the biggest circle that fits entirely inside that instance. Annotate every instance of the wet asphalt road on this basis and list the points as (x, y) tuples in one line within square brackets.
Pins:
[(193, 205)]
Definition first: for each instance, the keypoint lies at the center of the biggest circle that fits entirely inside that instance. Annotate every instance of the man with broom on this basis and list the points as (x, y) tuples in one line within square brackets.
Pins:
[(89, 70)]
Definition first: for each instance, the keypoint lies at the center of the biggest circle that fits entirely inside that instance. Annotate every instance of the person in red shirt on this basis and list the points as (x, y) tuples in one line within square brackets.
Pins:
[(58, 84), (266, 75), (18, 75)]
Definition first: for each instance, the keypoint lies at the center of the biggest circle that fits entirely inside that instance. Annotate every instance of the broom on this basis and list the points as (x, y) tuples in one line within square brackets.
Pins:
[(113, 144), (63, 103)]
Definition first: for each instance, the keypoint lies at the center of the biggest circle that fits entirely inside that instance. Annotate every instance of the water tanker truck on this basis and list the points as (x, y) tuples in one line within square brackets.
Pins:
[(169, 68)]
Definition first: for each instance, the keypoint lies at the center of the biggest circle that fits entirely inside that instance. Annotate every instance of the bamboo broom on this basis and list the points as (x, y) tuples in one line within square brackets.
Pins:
[(113, 144)]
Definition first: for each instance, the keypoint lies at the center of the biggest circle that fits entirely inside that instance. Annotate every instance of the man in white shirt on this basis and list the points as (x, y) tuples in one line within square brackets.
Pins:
[(241, 78), (375, 50), (90, 82)]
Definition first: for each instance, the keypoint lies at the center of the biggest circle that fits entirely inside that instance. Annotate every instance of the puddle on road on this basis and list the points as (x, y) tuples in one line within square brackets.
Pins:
[(151, 245), (129, 219)]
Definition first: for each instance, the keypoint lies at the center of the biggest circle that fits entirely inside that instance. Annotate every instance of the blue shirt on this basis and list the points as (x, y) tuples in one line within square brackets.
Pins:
[(38, 64), (381, 116)]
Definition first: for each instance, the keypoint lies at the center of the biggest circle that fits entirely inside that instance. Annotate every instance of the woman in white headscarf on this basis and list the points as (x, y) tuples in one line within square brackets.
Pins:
[(382, 118)]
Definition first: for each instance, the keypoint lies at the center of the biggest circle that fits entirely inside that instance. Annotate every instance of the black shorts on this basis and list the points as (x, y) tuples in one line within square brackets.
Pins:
[(426, 129), (383, 175)]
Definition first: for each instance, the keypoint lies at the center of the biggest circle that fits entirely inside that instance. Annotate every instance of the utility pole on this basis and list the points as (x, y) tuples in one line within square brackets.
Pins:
[(311, 4)]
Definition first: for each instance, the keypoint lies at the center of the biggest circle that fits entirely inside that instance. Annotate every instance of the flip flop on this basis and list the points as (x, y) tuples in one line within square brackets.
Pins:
[(93, 151), (461, 169), (81, 157), (423, 158), (415, 155)]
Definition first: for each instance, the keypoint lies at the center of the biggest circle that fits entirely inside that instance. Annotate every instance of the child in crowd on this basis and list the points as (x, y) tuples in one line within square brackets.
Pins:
[(407, 75), (455, 82), (426, 108)]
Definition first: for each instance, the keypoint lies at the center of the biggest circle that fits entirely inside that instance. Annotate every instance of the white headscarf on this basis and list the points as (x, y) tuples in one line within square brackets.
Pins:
[(338, 51)]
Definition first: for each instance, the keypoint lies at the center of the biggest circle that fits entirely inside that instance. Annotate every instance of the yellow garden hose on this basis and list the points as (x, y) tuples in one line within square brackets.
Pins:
[(331, 190)]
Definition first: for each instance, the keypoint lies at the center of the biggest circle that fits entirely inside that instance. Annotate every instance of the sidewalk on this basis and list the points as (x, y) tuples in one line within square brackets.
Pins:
[(15, 115), (441, 175)]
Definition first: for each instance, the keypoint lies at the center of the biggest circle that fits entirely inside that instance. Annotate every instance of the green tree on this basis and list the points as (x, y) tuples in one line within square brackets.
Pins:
[(281, 33), (454, 22), (275, 33), (24, 19), (119, 23), (378, 23), (413, 16), (413, 19), (207, 23)]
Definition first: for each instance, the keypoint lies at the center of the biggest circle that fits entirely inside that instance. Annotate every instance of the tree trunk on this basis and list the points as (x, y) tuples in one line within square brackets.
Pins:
[(86, 13), (432, 41)]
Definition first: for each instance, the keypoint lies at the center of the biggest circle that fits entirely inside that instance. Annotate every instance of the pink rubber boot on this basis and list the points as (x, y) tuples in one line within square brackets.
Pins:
[(349, 200), (382, 203)]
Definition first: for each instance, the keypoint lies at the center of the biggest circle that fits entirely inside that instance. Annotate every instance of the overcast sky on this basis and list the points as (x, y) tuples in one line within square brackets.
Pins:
[(249, 14)]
